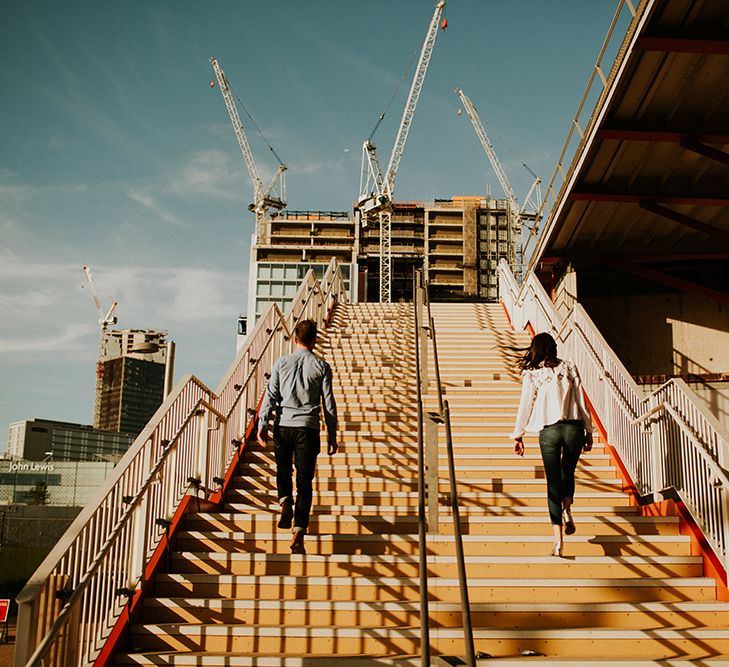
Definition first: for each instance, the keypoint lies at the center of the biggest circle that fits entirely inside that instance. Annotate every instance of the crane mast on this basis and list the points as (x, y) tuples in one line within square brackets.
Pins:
[(415, 87), (486, 143), (376, 190), (264, 197), (516, 211)]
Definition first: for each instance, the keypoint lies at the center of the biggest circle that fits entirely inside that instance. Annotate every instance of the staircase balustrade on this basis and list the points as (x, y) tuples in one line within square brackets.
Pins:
[(424, 331), (667, 441), (82, 594)]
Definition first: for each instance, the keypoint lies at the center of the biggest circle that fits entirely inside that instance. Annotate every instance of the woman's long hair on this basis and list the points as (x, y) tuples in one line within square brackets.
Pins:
[(542, 351)]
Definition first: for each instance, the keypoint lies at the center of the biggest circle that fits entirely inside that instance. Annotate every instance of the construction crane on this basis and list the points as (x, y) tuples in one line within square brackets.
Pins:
[(272, 195), (375, 189), (105, 320), (517, 212)]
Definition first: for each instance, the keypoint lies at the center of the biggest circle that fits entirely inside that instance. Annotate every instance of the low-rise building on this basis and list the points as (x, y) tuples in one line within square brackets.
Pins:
[(45, 439)]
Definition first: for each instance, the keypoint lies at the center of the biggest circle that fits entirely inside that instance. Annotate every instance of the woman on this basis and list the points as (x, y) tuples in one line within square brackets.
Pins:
[(552, 403)]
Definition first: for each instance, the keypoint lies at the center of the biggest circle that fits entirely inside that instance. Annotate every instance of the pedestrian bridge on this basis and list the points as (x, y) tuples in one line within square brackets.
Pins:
[(429, 539)]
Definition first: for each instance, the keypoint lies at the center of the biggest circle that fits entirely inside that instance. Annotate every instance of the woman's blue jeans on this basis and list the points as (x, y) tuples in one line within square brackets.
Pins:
[(561, 445)]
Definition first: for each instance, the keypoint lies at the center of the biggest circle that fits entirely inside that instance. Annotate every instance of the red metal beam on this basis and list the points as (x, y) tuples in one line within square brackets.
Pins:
[(707, 151), (671, 281), (673, 137), (623, 198), (591, 259), (683, 219), (670, 44)]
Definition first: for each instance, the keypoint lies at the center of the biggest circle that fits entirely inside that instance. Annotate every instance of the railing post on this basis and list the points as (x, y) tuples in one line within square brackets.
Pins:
[(424, 331), (138, 547), (168, 501), (431, 461), (28, 613), (655, 436), (241, 423), (224, 445), (203, 424), (139, 531)]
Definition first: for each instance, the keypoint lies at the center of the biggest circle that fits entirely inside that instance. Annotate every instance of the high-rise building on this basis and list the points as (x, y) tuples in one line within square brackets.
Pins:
[(458, 241), (132, 373), (296, 242)]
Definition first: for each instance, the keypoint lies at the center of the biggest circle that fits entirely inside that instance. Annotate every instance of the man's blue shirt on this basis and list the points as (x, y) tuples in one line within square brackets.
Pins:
[(299, 382)]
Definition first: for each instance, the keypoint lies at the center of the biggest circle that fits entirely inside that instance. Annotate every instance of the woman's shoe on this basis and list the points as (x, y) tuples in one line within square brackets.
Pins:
[(568, 522), (557, 549)]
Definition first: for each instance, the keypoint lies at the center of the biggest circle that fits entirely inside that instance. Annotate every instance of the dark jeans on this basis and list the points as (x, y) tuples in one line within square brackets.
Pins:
[(561, 445), (299, 446)]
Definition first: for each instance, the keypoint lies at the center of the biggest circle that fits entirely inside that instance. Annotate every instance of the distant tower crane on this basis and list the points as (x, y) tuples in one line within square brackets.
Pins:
[(109, 318), (517, 212), (375, 190), (264, 197), (105, 320)]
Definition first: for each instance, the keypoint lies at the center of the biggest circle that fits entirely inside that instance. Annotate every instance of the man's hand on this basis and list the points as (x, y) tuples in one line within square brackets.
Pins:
[(588, 443), (332, 447), (262, 437), (519, 447)]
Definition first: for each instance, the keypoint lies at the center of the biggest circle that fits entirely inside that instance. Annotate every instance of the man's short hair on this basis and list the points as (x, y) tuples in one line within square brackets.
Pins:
[(305, 332)]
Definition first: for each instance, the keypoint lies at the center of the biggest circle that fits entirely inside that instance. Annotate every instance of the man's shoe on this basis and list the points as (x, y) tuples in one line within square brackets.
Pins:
[(297, 544), (287, 514)]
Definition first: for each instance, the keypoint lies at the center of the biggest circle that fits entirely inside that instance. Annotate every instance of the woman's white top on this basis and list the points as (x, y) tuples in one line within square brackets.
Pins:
[(549, 395)]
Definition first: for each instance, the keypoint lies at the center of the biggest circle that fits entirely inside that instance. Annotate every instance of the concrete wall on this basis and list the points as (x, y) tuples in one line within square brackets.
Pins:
[(669, 333), (565, 293)]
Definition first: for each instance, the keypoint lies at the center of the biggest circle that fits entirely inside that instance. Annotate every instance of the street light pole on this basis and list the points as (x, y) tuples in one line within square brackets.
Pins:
[(169, 367)]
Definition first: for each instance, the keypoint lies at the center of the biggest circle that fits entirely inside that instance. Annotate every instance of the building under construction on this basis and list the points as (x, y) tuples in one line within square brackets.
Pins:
[(458, 242), (130, 378)]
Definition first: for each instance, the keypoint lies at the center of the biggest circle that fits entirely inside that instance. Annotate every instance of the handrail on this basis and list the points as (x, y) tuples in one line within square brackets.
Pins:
[(71, 605), (553, 189), (443, 416), (422, 547), (667, 440)]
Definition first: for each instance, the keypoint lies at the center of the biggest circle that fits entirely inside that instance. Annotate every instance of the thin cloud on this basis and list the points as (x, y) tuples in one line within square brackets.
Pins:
[(144, 198), (210, 173), (47, 307), (71, 338), (317, 166)]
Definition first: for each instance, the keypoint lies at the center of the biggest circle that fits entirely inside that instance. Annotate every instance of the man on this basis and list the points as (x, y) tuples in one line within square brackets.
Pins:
[(299, 382)]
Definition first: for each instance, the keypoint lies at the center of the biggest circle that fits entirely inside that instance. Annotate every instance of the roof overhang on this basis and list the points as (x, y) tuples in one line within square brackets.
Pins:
[(651, 173)]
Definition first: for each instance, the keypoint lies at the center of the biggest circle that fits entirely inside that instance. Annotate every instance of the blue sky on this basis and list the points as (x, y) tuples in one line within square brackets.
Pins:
[(117, 153)]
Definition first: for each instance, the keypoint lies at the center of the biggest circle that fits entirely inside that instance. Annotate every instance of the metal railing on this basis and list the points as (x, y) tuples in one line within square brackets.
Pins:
[(71, 605), (428, 453), (667, 441), (615, 45)]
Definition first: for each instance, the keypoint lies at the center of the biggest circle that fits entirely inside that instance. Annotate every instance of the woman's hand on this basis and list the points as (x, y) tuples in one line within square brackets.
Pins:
[(588, 443), (518, 447)]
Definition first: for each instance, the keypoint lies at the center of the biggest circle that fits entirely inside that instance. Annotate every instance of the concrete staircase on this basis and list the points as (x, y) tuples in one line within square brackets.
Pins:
[(627, 589)]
